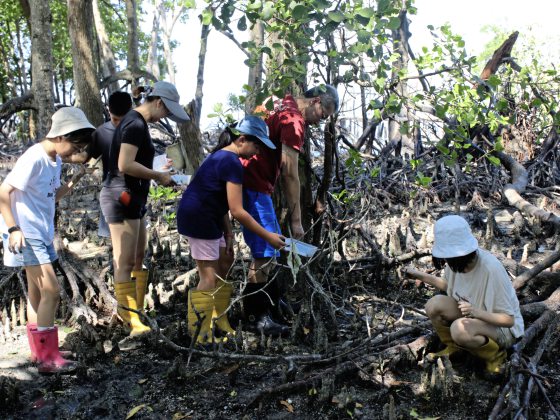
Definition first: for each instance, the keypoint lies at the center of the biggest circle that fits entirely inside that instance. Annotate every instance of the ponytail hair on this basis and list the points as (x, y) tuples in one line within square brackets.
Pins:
[(228, 136)]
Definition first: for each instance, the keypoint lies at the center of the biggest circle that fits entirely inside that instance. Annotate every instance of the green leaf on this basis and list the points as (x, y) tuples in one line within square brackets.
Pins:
[(394, 23), (268, 10), (493, 160), (242, 23), (207, 15), (336, 16), (254, 6), (299, 12), (366, 12)]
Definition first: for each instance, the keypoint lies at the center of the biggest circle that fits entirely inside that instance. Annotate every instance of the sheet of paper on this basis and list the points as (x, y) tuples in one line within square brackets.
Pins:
[(181, 179), (300, 248), (159, 162)]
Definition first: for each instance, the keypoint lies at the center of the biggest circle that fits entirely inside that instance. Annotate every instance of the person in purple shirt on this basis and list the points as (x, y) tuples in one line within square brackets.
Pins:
[(203, 218)]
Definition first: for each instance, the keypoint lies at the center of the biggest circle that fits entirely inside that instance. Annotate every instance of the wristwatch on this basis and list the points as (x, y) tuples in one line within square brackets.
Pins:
[(13, 229)]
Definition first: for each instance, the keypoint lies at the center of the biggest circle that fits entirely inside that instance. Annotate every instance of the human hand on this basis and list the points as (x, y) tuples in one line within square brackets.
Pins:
[(411, 273), (168, 166), (276, 240), (16, 242), (297, 230), (466, 309), (163, 178), (230, 242)]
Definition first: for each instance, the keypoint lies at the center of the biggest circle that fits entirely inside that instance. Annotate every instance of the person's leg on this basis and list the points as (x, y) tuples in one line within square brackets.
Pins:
[(481, 340), (124, 237), (33, 299), (225, 263), (141, 244), (259, 270), (442, 311), (208, 302), (42, 278), (138, 273), (207, 271), (45, 336), (472, 333)]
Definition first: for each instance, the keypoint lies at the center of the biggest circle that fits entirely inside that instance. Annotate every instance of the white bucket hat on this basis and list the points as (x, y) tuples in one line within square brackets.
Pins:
[(453, 238), (67, 120)]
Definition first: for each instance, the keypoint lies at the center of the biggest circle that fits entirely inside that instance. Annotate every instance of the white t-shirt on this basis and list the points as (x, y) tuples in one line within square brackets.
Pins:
[(35, 177), (488, 287)]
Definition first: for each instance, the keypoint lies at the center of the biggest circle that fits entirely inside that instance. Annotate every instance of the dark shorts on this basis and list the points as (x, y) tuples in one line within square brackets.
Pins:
[(260, 206), (119, 204)]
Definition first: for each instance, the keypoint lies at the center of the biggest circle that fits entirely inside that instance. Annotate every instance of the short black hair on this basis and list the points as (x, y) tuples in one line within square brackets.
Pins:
[(119, 103), (81, 136), (456, 264)]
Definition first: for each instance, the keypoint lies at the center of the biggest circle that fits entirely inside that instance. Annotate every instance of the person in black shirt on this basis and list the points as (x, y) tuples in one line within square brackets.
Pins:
[(125, 192)]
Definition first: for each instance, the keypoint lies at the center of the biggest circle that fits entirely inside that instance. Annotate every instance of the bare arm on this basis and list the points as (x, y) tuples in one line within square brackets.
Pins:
[(494, 318), (235, 202), (290, 178), (65, 189), (129, 166), (16, 239), (430, 279), (82, 157)]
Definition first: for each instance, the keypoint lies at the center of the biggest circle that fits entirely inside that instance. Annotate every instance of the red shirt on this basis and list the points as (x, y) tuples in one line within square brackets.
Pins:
[(287, 126)]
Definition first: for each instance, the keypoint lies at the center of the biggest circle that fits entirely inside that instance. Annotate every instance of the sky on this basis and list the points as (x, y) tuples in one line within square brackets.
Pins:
[(225, 72)]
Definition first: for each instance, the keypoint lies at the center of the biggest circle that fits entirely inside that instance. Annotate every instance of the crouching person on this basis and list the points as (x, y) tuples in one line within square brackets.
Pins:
[(480, 313), (27, 202)]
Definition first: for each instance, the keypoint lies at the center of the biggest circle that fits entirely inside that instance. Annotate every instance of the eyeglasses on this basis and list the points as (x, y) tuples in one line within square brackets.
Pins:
[(324, 114), (79, 148)]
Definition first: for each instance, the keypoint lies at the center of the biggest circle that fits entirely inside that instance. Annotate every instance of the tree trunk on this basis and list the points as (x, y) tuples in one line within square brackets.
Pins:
[(132, 19), (191, 138), (256, 71), (153, 64), (106, 56), (400, 46), (167, 30), (41, 62), (200, 75), (80, 25), (190, 131)]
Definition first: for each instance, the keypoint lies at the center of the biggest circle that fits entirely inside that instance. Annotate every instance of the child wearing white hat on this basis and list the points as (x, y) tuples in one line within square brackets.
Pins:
[(480, 312), (27, 202)]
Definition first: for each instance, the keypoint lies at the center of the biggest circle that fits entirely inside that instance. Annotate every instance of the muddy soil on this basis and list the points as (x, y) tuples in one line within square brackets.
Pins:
[(251, 377)]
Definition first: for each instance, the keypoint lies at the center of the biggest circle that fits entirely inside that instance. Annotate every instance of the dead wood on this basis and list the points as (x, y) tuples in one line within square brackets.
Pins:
[(523, 278), (511, 392), (513, 191), (499, 56), (532, 310), (10, 107)]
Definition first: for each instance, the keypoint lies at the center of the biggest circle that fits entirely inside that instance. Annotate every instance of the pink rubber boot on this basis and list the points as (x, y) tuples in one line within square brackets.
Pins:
[(33, 358), (30, 327), (49, 357)]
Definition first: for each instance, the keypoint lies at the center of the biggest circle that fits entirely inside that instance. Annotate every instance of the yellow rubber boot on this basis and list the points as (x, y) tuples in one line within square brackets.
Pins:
[(201, 307), (126, 296), (141, 277), (444, 334), (492, 355), (222, 297)]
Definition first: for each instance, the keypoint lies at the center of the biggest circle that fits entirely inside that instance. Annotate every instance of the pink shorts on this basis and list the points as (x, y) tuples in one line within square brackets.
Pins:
[(206, 249)]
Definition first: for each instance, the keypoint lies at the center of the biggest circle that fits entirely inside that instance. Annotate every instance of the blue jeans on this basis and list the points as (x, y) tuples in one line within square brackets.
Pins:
[(35, 252)]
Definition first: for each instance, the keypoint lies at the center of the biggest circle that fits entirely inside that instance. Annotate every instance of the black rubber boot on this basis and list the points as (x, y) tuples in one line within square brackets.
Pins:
[(256, 306)]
